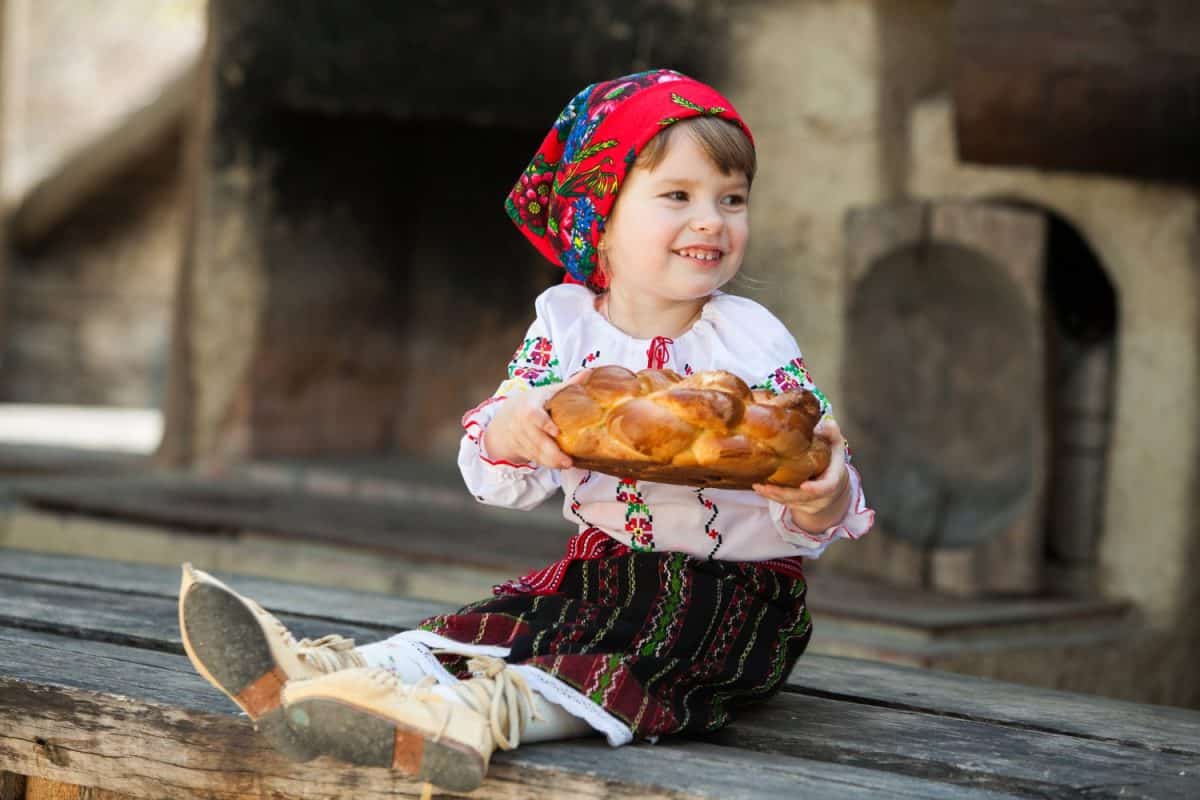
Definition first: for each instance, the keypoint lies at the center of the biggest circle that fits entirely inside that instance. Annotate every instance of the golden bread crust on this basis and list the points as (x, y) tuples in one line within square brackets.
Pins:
[(706, 430)]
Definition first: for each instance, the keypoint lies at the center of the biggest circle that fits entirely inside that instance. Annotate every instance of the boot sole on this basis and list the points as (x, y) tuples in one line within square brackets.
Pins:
[(362, 737), (226, 645)]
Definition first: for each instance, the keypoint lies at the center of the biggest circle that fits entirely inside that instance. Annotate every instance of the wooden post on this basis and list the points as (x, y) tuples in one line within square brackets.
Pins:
[(177, 445), (45, 789), (1097, 85), (12, 786), (4, 32)]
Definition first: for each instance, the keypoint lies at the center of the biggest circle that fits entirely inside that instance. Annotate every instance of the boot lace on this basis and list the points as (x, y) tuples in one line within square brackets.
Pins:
[(501, 696), (329, 653)]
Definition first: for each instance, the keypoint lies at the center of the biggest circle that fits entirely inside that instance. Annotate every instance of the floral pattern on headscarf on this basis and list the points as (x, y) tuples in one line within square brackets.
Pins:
[(564, 197)]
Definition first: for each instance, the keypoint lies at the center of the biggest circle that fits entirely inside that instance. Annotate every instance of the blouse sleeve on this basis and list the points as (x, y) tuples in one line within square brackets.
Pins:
[(494, 481), (789, 372)]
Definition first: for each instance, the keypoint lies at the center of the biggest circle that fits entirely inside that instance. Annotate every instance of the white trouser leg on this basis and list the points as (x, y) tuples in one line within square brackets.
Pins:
[(552, 722), (408, 660), (409, 656)]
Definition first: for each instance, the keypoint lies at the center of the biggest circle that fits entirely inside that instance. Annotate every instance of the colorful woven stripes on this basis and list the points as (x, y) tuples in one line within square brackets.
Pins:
[(664, 642)]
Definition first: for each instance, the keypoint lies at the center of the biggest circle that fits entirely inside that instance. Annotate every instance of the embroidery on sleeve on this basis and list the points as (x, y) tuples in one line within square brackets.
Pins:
[(532, 365), (793, 375)]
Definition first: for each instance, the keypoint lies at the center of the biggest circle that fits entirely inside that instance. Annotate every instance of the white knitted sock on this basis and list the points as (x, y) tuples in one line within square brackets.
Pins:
[(554, 722), (408, 660)]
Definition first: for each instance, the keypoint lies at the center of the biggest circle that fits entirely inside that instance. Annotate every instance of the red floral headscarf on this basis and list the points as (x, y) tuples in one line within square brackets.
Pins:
[(563, 199)]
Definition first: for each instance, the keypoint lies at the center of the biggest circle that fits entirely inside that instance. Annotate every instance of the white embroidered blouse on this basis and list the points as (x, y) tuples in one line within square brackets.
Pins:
[(733, 334)]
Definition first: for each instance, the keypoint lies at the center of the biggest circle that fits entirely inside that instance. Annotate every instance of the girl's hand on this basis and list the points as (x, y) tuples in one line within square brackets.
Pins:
[(523, 433), (820, 502)]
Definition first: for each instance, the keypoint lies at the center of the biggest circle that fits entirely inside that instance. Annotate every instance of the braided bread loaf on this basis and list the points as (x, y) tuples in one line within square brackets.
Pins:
[(706, 430)]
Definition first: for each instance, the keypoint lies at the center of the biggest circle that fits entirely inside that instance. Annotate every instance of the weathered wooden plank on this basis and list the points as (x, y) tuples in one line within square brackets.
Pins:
[(127, 618), (963, 752), (148, 749), (1165, 728), (861, 681), (829, 594), (469, 535), (918, 745), (156, 677), (367, 608)]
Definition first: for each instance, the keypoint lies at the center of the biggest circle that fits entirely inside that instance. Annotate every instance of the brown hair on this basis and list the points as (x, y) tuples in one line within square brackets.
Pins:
[(722, 141)]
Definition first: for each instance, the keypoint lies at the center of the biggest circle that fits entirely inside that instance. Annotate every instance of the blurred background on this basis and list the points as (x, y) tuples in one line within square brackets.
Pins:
[(256, 266)]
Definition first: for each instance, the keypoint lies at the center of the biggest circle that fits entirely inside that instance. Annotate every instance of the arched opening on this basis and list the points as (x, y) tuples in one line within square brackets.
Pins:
[(1081, 335), (978, 393)]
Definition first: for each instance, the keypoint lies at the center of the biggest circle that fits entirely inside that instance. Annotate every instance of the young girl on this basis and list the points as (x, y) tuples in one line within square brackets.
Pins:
[(673, 606)]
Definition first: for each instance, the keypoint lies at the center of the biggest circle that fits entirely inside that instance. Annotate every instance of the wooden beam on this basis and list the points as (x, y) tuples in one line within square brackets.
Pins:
[(12, 786), (45, 789), (99, 161), (1108, 86)]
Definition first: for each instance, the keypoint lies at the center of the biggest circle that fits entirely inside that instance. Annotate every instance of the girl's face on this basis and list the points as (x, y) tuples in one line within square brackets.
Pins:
[(678, 232)]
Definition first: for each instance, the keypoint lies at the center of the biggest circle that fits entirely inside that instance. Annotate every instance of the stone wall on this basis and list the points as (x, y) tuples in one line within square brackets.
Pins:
[(87, 315)]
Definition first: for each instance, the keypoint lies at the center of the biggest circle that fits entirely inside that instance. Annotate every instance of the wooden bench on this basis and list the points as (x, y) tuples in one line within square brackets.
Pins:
[(97, 701)]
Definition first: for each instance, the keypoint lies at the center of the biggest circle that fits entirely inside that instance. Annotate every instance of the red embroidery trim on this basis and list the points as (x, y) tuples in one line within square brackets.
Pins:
[(594, 543), (657, 355), (502, 463), (466, 419)]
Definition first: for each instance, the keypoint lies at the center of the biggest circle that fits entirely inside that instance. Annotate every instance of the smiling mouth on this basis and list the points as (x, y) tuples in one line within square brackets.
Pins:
[(700, 254)]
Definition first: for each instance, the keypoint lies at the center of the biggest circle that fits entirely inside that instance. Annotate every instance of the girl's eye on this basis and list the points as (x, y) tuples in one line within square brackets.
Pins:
[(734, 200), (681, 196)]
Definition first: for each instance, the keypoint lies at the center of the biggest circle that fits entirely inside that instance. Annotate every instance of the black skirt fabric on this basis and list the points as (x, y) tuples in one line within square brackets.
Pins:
[(665, 642)]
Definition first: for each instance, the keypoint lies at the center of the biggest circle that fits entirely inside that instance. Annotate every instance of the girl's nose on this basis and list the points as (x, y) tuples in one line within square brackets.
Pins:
[(707, 221)]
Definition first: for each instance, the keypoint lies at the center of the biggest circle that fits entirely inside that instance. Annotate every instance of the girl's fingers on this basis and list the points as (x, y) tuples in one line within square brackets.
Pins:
[(537, 419), (828, 429), (546, 452), (780, 494), (554, 389), (827, 481)]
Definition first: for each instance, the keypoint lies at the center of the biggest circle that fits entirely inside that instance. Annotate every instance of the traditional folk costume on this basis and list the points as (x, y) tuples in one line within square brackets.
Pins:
[(672, 605)]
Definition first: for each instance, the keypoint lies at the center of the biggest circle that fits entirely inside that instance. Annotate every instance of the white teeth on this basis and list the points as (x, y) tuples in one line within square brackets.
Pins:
[(702, 255)]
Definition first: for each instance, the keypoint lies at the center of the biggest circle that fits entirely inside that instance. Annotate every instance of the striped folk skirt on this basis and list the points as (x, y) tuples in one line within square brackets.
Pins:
[(664, 642)]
